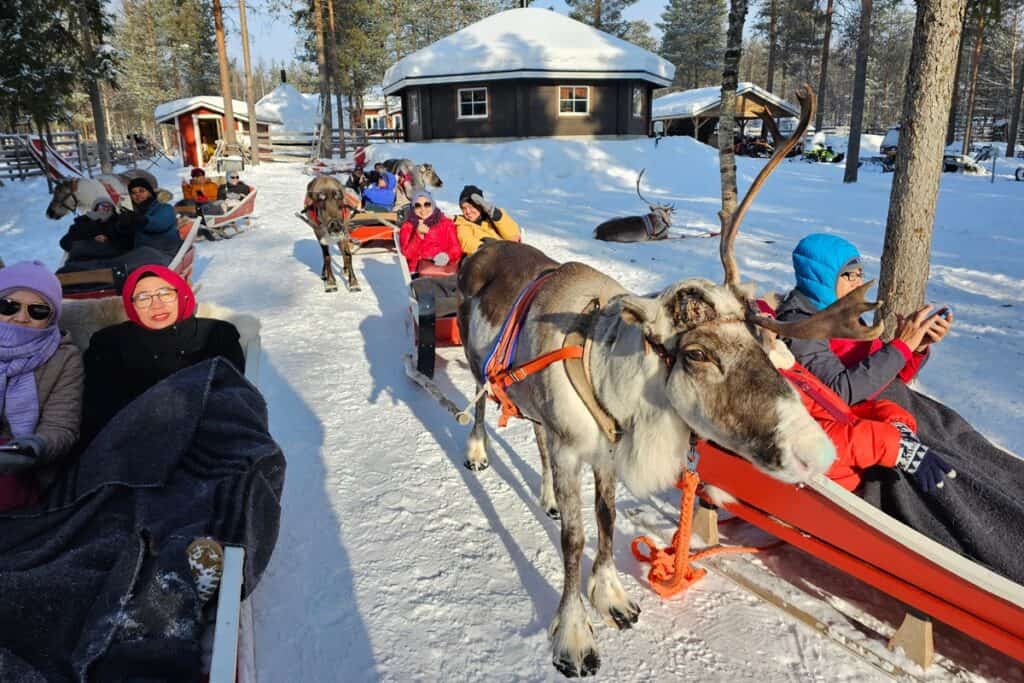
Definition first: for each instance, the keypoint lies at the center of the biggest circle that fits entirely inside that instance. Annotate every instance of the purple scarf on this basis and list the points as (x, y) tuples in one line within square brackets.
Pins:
[(22, 350)]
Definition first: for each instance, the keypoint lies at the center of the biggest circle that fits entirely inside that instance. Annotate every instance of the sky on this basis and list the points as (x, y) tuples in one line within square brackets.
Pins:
[(274, 39)]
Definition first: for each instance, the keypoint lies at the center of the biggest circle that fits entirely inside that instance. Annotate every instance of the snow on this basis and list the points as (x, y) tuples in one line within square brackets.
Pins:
[(688, 103), (396, 563), (169, 110), (294, 111), (527, 43)]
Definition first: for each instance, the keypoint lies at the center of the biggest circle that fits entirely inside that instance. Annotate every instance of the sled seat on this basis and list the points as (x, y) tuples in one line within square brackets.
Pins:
[(377, 231), (845, 531)]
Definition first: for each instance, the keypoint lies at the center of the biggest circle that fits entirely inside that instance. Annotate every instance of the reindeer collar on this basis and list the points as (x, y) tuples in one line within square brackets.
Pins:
[(653, 232), (578, 370)]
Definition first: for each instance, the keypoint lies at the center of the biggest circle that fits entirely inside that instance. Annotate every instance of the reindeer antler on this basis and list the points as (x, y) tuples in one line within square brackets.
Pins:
[(638, 178), (805, 94), (841, 320)]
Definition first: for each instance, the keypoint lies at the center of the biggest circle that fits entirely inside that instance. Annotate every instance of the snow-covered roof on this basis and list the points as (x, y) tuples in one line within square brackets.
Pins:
[(695, 102), (527, 43), (294, 111), (169, 110)]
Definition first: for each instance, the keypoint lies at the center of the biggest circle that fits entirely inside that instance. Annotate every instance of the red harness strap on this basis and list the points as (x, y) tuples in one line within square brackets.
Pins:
[(499, 375)]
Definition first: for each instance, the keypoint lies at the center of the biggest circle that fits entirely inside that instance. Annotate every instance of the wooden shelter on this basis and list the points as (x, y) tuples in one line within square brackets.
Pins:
[(199, 123), (696, 112)]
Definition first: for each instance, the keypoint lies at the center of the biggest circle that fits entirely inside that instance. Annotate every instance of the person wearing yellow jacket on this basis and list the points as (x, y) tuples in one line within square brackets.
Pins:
[(481, 220)]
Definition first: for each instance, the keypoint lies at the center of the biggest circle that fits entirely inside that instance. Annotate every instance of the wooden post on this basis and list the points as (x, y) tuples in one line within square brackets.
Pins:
[(225, 76), (250, 100), (915, 637), (705, 523)]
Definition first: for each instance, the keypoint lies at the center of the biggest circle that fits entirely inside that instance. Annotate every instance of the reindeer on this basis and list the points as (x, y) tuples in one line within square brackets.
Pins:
[(422, 175), (663, 370), (70, 195), (647, 228), (326, 197)]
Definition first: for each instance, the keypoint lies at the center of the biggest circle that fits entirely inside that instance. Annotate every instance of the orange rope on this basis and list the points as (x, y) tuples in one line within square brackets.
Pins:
[(671, 570)]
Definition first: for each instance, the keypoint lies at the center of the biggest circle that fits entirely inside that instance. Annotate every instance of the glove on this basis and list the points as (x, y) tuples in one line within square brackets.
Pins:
[(928, 469), (441, 259), (485, 206)]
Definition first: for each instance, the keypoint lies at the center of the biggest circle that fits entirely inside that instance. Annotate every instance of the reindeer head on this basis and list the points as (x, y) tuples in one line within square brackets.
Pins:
[(331, 199), (64, 200), (714, 345), (427, 176)]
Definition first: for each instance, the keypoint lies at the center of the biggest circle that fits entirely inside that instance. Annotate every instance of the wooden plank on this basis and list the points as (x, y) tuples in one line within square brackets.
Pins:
[(102, 276), (229, 602)]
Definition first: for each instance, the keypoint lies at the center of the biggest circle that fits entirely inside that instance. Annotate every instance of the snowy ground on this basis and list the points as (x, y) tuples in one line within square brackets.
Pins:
[(396, 563)]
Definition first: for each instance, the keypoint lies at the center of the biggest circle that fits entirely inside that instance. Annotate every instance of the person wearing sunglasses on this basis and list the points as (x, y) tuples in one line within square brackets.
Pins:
[(161, 336), (428, 235), (40, 383), (828, 267), (481, 219), (234, 189), (94, 234)]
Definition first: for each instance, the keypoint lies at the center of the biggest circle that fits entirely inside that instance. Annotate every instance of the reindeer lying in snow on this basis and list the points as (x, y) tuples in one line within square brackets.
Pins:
[(646, 228), (661, 371)]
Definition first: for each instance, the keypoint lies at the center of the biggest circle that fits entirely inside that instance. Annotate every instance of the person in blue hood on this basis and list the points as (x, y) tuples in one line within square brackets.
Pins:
[(151, 223), (380, 195)]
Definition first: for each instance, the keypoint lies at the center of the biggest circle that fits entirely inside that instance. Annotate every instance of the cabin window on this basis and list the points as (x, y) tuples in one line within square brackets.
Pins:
[(375, 122), (472, 103), (573, 100), (638, 102)]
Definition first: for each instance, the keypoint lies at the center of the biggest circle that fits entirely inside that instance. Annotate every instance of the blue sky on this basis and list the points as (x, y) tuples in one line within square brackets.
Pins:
[(271, 38)]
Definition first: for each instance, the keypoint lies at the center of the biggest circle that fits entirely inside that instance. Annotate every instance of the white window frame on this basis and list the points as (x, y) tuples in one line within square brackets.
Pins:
[(638, 112), (576, 114), (458, 103), (414, 108)]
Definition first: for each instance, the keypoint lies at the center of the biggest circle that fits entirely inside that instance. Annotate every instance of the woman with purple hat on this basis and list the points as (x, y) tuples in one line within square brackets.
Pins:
[(41, 381)]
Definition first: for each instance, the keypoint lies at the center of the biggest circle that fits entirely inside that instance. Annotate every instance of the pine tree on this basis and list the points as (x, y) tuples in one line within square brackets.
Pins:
[(693, 37), (639, 33), (609, 14)]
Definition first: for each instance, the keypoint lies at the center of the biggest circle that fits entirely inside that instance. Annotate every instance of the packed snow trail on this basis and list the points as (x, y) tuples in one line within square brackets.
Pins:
[(396, 563)]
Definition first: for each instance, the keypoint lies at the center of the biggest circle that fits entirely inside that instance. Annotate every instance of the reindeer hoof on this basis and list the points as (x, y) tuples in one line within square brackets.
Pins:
[(354, 288), (476, 465), (624, 620), (588, 666), (553, 513)]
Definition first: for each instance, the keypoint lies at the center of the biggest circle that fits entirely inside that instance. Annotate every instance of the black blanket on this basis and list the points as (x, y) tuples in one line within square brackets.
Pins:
[(94, 582), (980, 513)]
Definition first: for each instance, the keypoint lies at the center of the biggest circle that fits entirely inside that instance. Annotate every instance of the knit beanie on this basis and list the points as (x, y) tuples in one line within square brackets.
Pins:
[(186, 298), (421, 193), (818, 259), (34, 276), (467, 192)]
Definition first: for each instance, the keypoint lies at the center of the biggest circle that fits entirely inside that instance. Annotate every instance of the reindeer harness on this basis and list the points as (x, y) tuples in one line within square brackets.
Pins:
[(649, 228)]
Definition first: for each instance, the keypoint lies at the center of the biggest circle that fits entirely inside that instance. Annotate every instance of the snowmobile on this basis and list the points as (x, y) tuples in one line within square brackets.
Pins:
[(823, 155)]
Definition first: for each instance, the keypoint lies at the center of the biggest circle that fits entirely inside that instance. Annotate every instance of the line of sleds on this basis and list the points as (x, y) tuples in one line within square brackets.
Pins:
[(822, 519)]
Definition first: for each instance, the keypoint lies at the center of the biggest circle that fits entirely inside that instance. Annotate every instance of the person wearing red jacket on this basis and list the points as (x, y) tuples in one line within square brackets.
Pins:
[(428, 235)]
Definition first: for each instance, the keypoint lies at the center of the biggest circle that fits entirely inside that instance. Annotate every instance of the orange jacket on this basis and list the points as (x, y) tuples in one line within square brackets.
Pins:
[(863, 434)]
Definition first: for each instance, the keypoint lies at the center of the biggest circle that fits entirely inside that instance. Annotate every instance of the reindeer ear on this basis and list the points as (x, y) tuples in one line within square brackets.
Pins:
[(645, 313)]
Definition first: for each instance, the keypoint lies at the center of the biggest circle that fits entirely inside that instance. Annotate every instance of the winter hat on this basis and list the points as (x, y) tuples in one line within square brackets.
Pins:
[(141, 182), (97, 215), (421, 193), (818, 261), (467, 192), (186, 297), (32, 275)]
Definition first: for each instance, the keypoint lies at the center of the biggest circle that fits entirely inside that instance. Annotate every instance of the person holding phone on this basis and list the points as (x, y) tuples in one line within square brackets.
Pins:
[(428, 235), (41, 382)]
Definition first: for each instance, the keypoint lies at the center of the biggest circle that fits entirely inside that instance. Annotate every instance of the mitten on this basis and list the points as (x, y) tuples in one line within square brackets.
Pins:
[(928, 469), (441, 259), (485, 206)]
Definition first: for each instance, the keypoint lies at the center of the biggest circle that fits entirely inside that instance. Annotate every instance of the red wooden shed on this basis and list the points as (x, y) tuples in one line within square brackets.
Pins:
[(199, 123)]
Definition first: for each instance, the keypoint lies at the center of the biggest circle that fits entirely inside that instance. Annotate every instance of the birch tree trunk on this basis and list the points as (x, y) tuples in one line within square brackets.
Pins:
[(915, 183), (859, 80), (727, 110)]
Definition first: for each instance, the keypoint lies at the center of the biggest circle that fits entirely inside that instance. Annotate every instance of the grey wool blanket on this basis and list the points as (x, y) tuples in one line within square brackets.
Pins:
[(94, 581), (980, 513)]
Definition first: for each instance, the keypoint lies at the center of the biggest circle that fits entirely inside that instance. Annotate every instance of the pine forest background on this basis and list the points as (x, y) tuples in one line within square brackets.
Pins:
[(151, 51)]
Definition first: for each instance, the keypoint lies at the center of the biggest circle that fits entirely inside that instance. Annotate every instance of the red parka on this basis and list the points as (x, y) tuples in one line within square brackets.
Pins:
[(863, 435), (441, 238)]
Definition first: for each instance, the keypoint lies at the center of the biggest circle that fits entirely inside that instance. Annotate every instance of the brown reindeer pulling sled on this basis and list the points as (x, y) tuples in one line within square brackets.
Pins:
[(640, 379)]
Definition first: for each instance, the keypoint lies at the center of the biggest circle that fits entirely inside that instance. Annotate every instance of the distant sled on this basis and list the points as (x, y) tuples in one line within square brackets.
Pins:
[(236, 219)]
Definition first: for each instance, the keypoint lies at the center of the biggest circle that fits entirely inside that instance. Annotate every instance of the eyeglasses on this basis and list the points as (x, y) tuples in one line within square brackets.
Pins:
[(856, 275), (424, 205), (232, 177), (9, 307), (145, 300)]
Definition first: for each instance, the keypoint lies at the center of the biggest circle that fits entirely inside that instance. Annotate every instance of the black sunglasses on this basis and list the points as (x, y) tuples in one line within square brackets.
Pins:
[(425, 205), (10, 307)]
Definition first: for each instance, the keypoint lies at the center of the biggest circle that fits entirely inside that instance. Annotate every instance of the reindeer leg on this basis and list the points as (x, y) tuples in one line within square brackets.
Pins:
[(353, 283), (476, 456), (547, 488), (604, 589), (327, 274), (574, 652)]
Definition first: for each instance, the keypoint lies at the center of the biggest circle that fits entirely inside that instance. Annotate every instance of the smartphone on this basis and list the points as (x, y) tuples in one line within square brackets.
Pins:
[(12, 448), (944, 312)]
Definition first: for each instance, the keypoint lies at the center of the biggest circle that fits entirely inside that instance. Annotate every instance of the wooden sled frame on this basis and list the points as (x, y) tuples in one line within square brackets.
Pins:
[(240, 214), (836, 526), (112, 278)]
